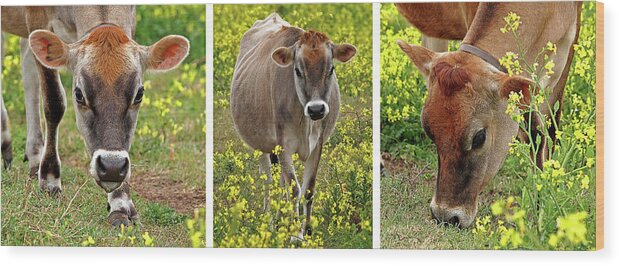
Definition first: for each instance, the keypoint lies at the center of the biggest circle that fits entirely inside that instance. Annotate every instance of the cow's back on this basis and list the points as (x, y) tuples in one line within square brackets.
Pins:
[(440, 20), (14, 20), (251, 96)]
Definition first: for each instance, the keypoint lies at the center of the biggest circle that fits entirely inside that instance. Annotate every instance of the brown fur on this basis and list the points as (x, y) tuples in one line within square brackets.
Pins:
[(488, 11), (447, 20), (108, 43), (450, 78), (312, 42), (313, 38)]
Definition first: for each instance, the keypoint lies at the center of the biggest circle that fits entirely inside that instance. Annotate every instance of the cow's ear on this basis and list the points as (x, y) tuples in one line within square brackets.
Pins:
[(49, 49), (282, 56), (167, 53), (420, 56), (517, 85), (344, 52)]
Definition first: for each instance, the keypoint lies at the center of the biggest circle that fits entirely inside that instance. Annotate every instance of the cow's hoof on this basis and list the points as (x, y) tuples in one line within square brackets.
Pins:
[(297, 240), (6, 162), (51, 186), (117, 218), (34, 172), (7, 156), (54, 191), (308, 231)]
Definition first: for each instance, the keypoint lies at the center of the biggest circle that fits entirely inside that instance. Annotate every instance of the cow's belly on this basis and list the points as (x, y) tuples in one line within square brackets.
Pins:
[(253, 117), (258, 138)]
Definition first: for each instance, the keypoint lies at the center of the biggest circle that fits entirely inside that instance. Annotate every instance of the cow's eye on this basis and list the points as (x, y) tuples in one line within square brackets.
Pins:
[(331, 71), (139, 95), (297, 72), (479, 139), (79, 96)]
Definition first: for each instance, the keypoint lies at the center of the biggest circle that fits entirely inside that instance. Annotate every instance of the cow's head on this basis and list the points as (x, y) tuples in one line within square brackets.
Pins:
[(312, 62), (107, 68), (464, 115)]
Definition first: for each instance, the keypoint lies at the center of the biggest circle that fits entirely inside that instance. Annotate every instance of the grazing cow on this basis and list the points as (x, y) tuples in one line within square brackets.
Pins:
[(284, 92), (464, 113), (96, 44)]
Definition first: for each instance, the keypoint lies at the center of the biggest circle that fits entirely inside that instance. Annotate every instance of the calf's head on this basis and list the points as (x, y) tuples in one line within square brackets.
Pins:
[(311, 59), (107, 68), (464, 115)]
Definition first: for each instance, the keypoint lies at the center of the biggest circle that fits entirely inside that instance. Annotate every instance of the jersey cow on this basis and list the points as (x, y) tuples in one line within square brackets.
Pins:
[(284, 93), (96, 44), (464, 113)]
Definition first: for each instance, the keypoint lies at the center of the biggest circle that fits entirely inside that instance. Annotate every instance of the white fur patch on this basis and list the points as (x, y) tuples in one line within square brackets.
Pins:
[(107, 154), (116, 204), (110, 186), (53, 182), (314, 134), (6, 135)]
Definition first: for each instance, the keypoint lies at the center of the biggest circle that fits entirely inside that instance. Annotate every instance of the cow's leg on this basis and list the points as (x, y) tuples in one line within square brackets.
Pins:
[(288, 174), (309, 182), (265, 169), (7, 151), (121, 207), (30, 79), (54, 105), (435, 44)]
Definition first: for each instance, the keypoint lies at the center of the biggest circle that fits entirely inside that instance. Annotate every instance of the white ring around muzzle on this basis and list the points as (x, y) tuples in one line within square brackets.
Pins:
[(315, 103)]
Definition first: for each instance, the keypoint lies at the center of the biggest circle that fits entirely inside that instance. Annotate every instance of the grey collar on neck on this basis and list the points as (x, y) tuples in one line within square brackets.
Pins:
[(476, 51)]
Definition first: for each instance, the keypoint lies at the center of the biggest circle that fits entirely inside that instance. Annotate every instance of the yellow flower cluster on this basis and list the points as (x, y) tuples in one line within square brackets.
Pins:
[(341, 206), (551, 210)]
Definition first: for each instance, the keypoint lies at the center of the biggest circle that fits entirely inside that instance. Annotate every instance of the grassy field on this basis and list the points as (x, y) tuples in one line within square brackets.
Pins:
[(167, 155), (343, 200), (552, 208)]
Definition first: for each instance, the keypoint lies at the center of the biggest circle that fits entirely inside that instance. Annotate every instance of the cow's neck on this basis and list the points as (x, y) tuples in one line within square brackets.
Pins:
[(533, 34), (485, 31), (551, 22), (313, 132)]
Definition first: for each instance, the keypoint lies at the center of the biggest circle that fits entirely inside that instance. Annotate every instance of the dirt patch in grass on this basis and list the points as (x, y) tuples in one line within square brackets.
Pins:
[(397, 165), (158, 187)]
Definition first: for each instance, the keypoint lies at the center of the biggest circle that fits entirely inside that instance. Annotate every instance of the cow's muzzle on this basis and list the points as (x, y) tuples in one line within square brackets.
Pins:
[(316, 110), (457, 216), (110, 168)]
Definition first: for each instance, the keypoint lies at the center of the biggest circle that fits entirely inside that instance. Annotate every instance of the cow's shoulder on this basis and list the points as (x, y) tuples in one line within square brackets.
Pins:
[(269, 32)]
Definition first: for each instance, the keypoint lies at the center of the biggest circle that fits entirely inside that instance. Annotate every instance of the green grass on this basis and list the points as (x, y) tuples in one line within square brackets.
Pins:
[(406, 222), (165, 163)]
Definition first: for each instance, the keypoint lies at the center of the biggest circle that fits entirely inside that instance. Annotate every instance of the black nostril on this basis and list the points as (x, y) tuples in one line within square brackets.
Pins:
[(124, 169), (317, 109), (112, 168), (100, 166)]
